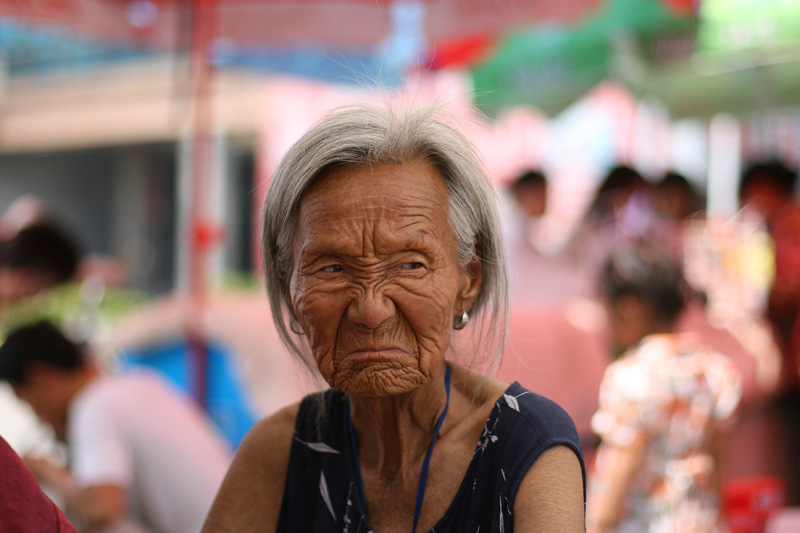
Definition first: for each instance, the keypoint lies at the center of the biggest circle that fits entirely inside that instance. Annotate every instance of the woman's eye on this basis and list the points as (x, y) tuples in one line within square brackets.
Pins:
[(411, 266), (332, 268)]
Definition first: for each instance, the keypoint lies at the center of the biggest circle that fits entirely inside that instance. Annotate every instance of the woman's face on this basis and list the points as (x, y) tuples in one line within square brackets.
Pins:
[(376, 282)]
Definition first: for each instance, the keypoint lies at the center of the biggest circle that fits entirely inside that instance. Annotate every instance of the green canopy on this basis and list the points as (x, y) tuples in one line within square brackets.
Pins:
[(739, 56), (551, 67)]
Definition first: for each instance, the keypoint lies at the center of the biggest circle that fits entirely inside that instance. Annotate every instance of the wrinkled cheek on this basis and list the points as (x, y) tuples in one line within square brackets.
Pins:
[(431, 353), (314, 315), (321, 331), (325, 362), (432, 330)]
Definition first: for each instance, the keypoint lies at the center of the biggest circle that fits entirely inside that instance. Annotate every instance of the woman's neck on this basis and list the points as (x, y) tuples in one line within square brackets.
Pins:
[(395, 431)]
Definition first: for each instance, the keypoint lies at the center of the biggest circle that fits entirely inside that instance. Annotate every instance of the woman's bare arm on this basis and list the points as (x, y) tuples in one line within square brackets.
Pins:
[(250, 496), (550, 497)]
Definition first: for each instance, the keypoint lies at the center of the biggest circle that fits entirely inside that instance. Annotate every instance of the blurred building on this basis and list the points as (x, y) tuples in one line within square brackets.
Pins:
[(101, 137)]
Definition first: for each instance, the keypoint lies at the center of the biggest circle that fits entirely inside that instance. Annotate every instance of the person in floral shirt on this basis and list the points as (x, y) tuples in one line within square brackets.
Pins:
[(663, 407)]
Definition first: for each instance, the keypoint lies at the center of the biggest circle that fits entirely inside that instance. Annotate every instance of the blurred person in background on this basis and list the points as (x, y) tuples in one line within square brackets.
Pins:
[(141, 455), (676, 198), (663, 406), (620, 213), (769, 188), (381, 241), (43, 252), (538, 272), (43, 274), (39, 256), (675, 202), (530, 192), (619, 187)]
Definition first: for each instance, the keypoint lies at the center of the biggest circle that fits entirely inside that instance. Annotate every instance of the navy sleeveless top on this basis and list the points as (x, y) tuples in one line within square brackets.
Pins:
[(321, 492)]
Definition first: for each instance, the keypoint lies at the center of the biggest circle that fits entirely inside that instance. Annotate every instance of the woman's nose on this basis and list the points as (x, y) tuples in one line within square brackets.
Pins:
[(371, 309)]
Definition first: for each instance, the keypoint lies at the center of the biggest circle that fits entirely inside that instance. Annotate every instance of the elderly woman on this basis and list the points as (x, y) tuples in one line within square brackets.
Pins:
[(381, 241)]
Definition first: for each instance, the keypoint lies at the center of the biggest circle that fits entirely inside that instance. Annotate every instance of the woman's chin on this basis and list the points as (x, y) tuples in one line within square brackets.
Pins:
[(377, 379)]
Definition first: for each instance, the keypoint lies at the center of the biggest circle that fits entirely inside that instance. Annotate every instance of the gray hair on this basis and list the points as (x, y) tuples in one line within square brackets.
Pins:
[(369, 135)]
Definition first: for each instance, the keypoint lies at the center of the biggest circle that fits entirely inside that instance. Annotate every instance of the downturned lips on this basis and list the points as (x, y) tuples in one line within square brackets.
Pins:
[(378, 352)]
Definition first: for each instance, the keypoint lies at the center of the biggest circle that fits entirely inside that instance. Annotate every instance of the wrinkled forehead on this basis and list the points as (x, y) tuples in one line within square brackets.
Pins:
[(384, 198), (416, 186)]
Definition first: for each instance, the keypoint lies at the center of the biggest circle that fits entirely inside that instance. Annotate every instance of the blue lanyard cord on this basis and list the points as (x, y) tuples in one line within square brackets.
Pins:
[(423, 475)]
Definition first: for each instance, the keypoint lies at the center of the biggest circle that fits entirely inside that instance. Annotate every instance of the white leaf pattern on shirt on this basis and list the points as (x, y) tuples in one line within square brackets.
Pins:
[(323, 488), (502, 522), (512, 402), (317, 446), (487, 436)]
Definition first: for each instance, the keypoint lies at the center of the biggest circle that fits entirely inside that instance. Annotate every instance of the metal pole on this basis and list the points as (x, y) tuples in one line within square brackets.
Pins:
[(201, 232)]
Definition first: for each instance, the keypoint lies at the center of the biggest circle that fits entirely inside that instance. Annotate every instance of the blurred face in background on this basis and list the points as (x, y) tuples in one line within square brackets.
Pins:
[(764, 196), (17, 283), (629, 320), (673, 202), (532, 199), (44, 391)]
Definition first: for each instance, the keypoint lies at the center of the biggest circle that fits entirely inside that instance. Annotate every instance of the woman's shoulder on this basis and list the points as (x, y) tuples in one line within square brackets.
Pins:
[(524, 425), (269, 440), (517, 408), (278, 426), (544, 416)]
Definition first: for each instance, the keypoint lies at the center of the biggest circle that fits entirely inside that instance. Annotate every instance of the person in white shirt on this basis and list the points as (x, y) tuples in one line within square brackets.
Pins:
[(139, 451)]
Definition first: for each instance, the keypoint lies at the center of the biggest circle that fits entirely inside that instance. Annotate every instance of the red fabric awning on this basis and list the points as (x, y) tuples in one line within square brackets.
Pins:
[(333, 23), (164, 23)]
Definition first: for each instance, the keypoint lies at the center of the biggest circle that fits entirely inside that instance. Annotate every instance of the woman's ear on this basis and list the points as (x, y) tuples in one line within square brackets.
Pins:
[(471, 284)]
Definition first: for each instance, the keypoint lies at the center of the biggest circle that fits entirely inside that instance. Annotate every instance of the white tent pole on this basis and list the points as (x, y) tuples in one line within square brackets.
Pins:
[(724, 165)]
